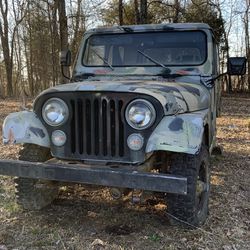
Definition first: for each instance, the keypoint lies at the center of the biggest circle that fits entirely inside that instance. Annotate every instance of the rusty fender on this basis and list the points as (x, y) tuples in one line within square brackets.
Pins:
[(24, 127), (180, 133)]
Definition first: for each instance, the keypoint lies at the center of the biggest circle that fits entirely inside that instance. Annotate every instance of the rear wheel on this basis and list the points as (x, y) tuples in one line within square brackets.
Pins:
[(34, 194), (190, 209)]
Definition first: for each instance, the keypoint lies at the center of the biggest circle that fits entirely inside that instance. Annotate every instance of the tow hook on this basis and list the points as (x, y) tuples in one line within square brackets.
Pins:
[(136, 196), (118, 193)]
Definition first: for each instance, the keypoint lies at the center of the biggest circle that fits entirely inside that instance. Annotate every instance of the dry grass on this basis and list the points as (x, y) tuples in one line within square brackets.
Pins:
[(88, 219)]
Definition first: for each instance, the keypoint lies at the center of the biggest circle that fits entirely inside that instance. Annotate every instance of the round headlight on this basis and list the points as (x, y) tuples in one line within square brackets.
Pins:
[(55, 112), (140, 114)]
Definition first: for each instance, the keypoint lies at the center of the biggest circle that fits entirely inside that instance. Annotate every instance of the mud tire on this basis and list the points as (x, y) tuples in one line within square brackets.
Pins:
[(34, 194), (191, 209)]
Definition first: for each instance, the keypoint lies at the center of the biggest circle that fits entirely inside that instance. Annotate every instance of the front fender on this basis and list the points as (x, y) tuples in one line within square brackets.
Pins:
[(181, 133), (24, 127)]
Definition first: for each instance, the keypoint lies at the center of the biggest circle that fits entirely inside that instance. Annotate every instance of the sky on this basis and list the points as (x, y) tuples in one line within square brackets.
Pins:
[(237, 34)]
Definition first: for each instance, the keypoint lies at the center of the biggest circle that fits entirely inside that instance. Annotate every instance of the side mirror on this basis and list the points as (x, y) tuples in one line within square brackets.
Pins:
[(65, 58), (236, 66)]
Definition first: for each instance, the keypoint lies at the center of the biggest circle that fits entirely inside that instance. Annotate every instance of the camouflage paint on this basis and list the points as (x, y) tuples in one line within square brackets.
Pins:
[(178, 131), (189, 92), (181, 133), (175, 97), (24, 127)]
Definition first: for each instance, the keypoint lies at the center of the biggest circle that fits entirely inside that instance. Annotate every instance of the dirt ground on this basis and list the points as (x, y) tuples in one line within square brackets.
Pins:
[(90, 219)]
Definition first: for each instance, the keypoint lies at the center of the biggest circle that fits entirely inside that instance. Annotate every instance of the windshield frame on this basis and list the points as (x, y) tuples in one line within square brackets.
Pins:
[(145, 65)]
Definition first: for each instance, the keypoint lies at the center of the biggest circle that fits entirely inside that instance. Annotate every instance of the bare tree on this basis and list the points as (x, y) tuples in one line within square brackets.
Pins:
[(76, 19), (176, 11), (63, 32), (247, 41), (120, 9), (7, 54), (137, 13), (8, 36), (52, 10), (144, 11), (226, 33)]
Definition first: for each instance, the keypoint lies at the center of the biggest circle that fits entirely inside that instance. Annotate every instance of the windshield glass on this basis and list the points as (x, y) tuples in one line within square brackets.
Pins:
[(167, 48)]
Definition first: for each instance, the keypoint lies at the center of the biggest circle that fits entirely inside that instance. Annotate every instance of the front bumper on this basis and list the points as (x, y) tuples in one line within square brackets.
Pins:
[(113, 176)]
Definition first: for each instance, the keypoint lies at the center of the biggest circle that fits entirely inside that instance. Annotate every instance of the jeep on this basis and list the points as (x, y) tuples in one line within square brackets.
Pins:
[(139, 114)]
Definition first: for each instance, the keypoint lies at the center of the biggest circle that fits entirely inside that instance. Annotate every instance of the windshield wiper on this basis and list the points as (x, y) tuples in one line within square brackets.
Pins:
[(152, 60), (83, 76), (103, 59)]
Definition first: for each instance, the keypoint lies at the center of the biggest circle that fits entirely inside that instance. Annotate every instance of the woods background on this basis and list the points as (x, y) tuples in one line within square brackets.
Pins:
[(34, 32)]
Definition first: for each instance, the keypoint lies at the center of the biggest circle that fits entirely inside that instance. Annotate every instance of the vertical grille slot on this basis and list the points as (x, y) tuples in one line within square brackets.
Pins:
[(96, 126), (121, 130), (88, 117), (104, 126), (113, 127), (108, 131), (97, 129), (79, 128), (73, 130)]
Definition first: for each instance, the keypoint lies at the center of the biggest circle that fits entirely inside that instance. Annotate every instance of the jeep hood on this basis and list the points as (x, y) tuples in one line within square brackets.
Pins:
[(175, 97)]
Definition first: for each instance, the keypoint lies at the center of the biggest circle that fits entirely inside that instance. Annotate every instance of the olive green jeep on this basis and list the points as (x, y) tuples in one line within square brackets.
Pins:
[(139, 113)]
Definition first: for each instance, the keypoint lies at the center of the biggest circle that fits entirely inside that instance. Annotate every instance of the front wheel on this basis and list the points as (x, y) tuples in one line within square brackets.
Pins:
[(34, 194), (190, 209)]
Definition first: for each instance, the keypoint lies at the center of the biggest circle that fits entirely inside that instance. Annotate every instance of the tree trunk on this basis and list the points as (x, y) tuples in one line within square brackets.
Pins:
[(29, 58), (52, 13), (176, 11), (4, 33), (144, 11), (247, 42), (229, 87), (63, 33), (76, 29), (120, 12), (137, 13), (225, 35)]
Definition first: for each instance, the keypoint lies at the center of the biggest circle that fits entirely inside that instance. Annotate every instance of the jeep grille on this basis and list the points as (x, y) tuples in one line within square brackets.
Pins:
[(96, 127)]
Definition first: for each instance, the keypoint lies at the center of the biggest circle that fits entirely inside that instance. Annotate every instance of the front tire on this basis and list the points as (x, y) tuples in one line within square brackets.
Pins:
[(190, 209), (34, 194)]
